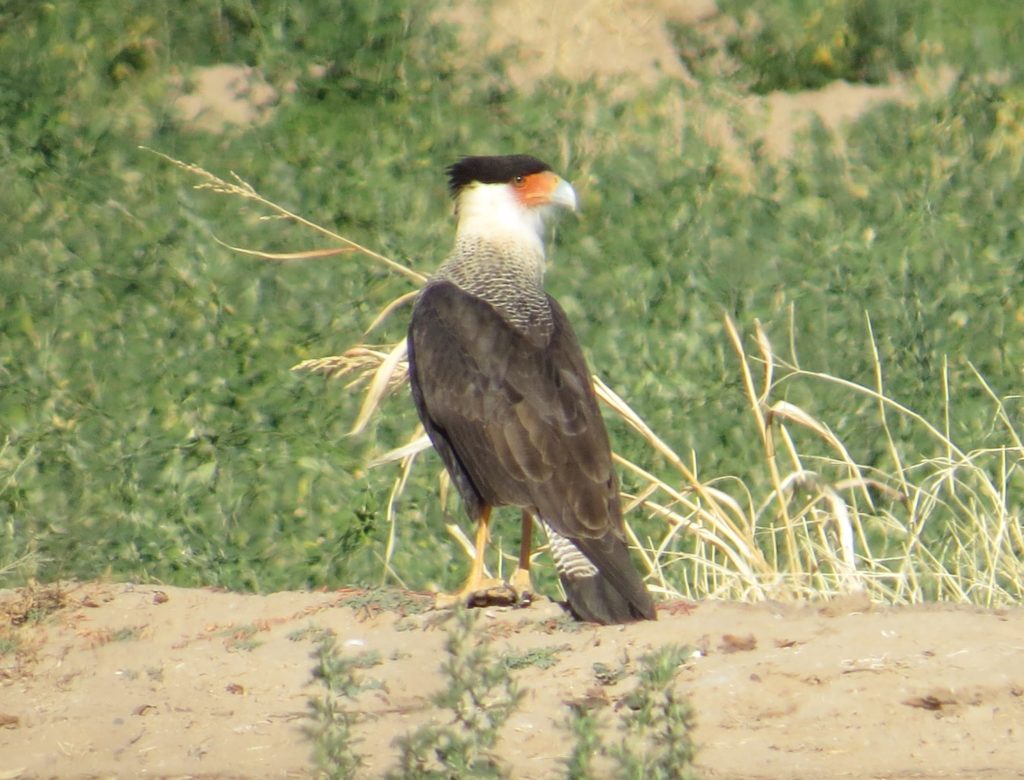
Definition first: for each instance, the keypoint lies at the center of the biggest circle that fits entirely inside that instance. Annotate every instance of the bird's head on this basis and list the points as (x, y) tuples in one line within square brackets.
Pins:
[(507, 197)]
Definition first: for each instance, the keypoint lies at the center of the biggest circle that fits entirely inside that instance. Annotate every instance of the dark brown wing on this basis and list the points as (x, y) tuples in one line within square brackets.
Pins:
[(515, 420)]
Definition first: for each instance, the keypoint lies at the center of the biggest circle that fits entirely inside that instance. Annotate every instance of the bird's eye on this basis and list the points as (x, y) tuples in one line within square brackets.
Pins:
[(518, 181)]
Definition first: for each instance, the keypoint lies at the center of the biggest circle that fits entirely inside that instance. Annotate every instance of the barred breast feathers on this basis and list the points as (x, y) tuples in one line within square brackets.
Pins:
[(506, 272)]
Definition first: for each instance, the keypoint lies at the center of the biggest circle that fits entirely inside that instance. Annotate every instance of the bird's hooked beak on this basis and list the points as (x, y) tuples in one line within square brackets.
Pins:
[(546, 189), (564, 195)]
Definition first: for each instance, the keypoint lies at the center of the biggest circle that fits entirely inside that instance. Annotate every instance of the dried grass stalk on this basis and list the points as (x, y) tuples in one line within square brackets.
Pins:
[(810, 534)]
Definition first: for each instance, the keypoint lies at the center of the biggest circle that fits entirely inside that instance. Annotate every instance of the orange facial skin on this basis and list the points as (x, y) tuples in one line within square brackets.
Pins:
[(536, 189)]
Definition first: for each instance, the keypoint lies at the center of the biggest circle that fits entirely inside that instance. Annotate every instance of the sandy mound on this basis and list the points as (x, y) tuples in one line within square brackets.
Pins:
[(129, 681)]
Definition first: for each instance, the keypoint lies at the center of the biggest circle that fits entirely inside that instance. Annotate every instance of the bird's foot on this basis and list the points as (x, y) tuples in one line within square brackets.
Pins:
[(481, 593), (489, 592), (520, 584)]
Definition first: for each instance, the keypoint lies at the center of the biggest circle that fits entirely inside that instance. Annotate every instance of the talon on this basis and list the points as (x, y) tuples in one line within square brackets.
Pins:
[(497, 595), (521, 585)]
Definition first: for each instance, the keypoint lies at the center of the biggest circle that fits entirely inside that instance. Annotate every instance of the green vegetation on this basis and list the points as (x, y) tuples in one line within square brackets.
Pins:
[(478, 699), (656, 740), (127, 634), (10, 643), (376, 599), (150, 428), (802, 44), (311, 631), (541, 657), (480, 695), (242, 639), (334, 753)]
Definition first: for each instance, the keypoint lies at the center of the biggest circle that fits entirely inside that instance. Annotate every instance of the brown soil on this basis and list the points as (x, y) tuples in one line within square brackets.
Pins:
[(125, 681), (626, 46)]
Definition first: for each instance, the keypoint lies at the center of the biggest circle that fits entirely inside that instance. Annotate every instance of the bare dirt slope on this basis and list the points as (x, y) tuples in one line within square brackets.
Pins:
[(110, 680)]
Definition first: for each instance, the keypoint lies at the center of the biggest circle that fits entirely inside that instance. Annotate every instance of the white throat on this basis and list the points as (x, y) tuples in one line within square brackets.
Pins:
[(493, 211)]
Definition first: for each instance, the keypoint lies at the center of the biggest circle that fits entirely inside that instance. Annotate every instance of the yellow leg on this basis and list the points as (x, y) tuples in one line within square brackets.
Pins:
[(478, 590), (483, 533), (520, 581)]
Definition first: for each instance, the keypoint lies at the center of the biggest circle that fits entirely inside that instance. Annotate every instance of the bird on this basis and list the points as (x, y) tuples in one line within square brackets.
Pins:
[(505, 395)]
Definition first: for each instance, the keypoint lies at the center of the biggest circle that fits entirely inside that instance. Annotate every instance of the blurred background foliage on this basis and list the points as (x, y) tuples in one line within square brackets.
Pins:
[(149, 425)]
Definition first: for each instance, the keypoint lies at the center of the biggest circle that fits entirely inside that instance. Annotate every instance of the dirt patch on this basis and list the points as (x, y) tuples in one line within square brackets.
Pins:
[(126, 681), (221, 96), (594, 39), (787, 114), (626, 47)]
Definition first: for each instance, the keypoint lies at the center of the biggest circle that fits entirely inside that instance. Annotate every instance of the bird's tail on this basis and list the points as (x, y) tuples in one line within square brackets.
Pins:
[(600, 581)]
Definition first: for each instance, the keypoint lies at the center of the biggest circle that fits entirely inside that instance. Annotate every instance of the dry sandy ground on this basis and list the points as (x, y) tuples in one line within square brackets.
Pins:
[(114, 680)]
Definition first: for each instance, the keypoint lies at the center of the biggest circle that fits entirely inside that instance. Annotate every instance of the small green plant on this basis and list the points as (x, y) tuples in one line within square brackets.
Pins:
[(610, 675), (334, 753), (10, 643), (656, 740), (127, 634), (586, 743), (541, 657), (481, 696), (242, 638), (372, 600), (314, 632)]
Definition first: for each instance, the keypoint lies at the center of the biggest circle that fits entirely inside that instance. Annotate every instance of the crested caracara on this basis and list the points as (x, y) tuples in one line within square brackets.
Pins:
[(506, 398)]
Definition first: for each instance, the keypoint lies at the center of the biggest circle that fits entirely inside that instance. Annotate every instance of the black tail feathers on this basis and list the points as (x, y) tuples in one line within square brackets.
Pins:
[(600, 581)]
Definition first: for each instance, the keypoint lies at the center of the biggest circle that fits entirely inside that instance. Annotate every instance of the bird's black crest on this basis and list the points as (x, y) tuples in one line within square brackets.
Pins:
[(492, 170)]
